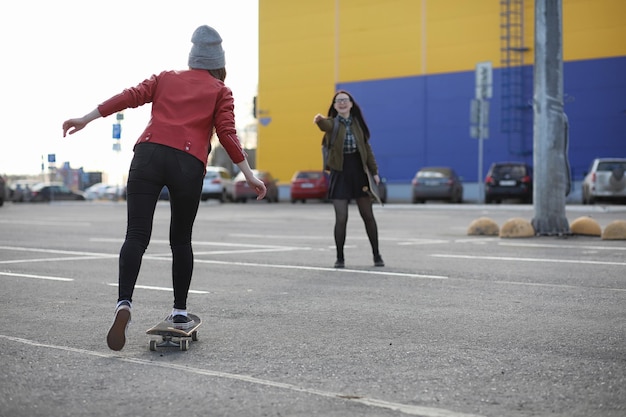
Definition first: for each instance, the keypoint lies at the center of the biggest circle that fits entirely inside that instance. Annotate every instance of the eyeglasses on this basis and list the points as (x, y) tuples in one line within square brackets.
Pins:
[(342, 100)]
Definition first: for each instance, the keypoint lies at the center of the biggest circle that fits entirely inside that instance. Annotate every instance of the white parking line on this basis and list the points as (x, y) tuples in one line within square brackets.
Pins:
[(227, 252), (317, 268), (11, 274), (408, 409), (201, 243), (398, 240), (261, 248), (56, 223), (57, 251), (407, 242), (65, 258), (517, 259), (270, 248), (538, 284)]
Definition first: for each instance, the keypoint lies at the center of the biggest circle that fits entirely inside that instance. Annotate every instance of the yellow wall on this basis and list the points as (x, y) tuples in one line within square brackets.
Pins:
[(296, 81), (460, 34), (593, 29), (307, 47), (378, 39)]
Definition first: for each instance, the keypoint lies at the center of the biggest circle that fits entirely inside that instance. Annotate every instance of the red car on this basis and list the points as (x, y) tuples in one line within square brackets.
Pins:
[(240, 192), (307, 185)]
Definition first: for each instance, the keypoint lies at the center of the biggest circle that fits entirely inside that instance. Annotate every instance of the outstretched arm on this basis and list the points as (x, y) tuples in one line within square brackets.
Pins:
[(74, 125), (324, 123)]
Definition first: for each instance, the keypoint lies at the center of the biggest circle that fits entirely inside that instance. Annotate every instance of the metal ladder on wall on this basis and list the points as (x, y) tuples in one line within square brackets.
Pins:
[(514, 110)]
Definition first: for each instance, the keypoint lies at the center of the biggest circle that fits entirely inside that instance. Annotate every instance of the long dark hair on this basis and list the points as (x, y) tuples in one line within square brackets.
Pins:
[(219, 73), (355, 112)]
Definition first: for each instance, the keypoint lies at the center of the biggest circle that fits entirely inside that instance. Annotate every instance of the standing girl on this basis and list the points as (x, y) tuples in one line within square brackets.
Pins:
[(348, 156)]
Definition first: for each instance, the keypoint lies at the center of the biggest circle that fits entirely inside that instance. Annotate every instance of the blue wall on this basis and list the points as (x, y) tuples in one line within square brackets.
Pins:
[(420, 121)]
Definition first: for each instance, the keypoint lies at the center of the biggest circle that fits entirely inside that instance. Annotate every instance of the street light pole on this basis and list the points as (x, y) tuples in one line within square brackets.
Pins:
[(551, 174)]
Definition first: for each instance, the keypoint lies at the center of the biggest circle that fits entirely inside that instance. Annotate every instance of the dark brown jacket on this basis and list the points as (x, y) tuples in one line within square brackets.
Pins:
[(335, 153)]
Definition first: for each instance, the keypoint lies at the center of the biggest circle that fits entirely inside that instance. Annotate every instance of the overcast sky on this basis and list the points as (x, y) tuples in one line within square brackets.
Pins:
[(61, 58)]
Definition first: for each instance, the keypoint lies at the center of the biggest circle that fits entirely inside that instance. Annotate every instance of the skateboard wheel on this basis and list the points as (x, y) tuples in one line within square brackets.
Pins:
[(194, 336), (184, 344), (153, 345)]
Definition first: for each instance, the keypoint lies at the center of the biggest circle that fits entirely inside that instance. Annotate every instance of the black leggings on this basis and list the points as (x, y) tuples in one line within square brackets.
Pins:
[(341, 223), (154, 166)]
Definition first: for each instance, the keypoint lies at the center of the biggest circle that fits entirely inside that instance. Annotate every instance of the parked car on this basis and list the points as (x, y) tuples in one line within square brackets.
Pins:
[(605, 180), (115, 192), (437, 183), (20, 190), (215, 183), (54, 192), (241, 192), (509, 180), (4, 190), (307, 185), (96, 191)]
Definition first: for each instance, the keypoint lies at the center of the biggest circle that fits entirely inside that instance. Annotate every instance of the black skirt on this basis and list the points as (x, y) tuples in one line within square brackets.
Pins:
[(351, 183)]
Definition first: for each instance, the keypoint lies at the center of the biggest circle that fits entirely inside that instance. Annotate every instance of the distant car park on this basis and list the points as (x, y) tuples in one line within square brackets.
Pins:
[(45, 192), (307, 185), (605, 181), (509, 180), (436, 183)]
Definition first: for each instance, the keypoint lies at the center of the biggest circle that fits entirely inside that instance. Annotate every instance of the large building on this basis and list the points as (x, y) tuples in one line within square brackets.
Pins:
[(410, 64)]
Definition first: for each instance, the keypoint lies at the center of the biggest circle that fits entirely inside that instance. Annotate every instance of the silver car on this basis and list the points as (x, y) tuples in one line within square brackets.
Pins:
[(216, 181), (606, 180), (437, 183)]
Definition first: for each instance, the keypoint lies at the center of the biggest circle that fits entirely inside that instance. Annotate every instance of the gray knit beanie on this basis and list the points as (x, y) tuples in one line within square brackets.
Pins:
[(206, 52)]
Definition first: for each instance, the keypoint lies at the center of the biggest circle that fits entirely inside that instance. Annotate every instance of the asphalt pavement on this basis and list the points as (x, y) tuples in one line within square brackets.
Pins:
[(452, 326)]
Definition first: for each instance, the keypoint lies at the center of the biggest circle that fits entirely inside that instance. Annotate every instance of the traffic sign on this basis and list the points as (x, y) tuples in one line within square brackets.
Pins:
[(479, 119), (117, 131), (484, 80)]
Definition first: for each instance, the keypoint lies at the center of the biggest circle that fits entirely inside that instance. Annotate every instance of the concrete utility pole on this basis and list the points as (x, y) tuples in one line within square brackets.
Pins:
[(551, 176)]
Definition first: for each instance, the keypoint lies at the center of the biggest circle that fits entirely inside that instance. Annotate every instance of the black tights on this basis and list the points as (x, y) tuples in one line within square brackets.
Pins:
[(341, 223), (152, 167)]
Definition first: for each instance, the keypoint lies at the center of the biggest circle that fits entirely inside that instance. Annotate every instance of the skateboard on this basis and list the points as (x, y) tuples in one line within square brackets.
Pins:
[(173, 337), (372, 187)]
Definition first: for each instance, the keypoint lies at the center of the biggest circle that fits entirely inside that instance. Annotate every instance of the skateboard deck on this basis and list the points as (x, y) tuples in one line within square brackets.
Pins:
[(372, 188), (173, 337)]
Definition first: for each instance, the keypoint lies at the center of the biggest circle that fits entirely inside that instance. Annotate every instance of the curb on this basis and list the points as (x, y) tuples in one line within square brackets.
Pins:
[(518, 227)]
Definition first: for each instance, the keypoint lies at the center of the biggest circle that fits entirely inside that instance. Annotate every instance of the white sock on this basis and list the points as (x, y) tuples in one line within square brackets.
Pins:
[(177, 312), (119, 303)]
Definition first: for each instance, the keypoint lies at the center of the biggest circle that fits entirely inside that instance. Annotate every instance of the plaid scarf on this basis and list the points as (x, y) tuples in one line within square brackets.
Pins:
[(349, 143)]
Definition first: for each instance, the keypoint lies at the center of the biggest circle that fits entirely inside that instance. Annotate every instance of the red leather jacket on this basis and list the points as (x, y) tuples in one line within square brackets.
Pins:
[(186, 107)]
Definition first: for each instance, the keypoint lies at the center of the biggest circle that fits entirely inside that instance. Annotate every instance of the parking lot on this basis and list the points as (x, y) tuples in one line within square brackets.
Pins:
[(452, 326)]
